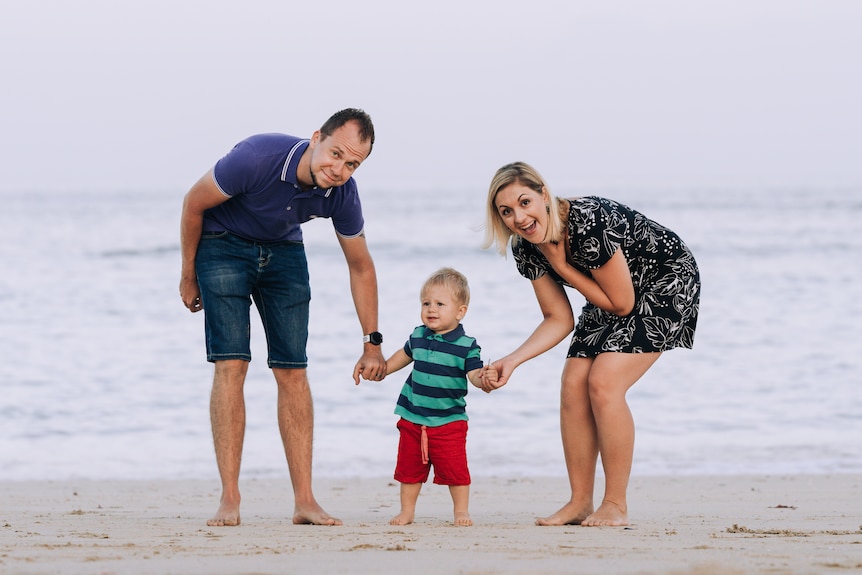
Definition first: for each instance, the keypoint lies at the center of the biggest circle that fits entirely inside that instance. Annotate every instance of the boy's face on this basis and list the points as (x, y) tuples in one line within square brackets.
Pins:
[(440, 312)]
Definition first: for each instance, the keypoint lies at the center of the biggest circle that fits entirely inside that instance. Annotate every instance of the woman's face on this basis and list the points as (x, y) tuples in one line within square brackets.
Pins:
[(524, 211)]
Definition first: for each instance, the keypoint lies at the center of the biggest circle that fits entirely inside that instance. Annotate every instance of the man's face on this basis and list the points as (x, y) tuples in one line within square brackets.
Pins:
[(335, 158)]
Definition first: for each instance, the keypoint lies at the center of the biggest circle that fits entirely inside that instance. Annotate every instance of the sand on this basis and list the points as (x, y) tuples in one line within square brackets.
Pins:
[(721, 525)]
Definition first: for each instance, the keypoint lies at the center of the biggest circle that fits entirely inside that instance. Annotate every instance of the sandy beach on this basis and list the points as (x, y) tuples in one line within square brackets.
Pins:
[(796, 524)]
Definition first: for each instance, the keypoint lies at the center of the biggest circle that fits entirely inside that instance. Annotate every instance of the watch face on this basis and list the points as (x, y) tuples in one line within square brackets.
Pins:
[(375, 337)]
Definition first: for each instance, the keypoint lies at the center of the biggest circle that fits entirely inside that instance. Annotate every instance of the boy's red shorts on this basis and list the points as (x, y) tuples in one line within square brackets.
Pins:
[(447, 452)]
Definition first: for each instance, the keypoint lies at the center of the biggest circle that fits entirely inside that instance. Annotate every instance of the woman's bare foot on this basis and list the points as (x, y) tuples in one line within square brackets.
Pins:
[(226, 516), (569, 514), (608, 514), (403, 518), (462, 519), (313, 515)]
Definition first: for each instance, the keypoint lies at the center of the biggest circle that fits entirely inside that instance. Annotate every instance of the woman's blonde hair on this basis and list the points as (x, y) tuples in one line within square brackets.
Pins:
[(496, 231)]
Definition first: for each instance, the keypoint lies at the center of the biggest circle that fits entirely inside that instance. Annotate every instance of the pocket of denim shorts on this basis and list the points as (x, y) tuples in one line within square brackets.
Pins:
[(214, 235)]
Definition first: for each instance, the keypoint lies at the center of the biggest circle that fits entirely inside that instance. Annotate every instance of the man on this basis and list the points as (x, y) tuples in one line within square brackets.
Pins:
[(241, 240)]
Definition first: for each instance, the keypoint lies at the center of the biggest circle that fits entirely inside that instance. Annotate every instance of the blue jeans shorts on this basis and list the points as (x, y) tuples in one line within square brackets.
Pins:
[(231, 273)]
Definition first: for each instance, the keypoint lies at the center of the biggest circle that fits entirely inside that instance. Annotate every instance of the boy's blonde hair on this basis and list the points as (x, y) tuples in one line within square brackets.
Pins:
[(453, 280), (496, 231)]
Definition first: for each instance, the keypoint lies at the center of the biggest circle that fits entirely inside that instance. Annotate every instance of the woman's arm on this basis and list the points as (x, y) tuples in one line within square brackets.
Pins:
[(558, 321), (610, 288)]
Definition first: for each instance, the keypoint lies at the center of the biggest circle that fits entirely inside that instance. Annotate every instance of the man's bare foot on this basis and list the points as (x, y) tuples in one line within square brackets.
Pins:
[(226, 516), (403, 518), (569, 514), (462, 519), (313, 515), (607, 515)]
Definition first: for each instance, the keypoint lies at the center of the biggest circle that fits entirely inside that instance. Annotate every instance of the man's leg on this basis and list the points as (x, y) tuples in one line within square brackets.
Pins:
[(227, 416), (296, 423)]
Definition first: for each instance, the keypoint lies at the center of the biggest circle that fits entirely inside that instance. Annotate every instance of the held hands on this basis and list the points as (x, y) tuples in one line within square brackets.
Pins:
[(371, 366), (493, 376)]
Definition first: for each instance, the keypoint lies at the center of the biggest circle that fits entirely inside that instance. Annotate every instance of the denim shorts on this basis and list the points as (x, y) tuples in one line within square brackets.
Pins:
[(231, 273)]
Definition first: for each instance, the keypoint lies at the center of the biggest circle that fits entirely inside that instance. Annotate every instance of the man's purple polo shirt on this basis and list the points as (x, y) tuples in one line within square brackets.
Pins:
[(266, 201)]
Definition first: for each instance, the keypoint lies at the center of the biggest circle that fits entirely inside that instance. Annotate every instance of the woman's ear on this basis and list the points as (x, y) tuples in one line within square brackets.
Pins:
[(546, 197)]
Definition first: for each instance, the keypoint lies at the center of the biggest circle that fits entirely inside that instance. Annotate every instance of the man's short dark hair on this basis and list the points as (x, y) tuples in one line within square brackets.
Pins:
[(363, 120)]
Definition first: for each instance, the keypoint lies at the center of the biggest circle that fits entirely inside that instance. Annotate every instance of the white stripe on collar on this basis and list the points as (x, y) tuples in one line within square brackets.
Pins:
[(290, 157), (287, 164)]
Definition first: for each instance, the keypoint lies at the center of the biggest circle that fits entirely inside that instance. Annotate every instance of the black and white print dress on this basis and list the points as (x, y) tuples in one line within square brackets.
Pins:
[(664, 273)]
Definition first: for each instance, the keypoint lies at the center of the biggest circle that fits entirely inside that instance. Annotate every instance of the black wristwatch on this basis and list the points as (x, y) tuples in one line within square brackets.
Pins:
[(373, 338)]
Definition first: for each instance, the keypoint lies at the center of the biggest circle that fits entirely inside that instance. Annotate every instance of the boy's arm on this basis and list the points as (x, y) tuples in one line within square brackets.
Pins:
[(397, 361), (475, 376)]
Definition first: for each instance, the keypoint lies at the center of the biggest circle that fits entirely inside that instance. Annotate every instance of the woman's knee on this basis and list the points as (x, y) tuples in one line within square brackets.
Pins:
[(574, 394), (604, 391)]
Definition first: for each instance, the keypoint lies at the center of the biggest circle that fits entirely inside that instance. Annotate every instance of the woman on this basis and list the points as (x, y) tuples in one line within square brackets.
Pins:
[(642, 288)]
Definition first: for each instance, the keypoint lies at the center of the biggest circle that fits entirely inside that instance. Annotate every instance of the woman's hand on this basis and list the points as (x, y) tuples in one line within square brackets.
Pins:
[(495, 375), (555, 253)]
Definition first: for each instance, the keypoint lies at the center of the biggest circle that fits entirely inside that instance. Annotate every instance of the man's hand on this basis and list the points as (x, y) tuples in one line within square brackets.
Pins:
[(371, 366), (191, 294)]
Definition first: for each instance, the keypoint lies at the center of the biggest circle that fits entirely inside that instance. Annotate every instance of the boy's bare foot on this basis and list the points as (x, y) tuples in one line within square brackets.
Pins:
[(403, 518), (313, 515), (569, 514), (462, 519), (226, 516), (607, 515)]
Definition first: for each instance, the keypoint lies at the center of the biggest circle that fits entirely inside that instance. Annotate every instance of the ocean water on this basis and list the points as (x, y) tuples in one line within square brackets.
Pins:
[(103, 373)]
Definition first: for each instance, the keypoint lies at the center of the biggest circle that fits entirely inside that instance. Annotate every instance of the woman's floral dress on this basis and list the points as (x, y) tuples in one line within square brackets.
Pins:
[(664, 273)]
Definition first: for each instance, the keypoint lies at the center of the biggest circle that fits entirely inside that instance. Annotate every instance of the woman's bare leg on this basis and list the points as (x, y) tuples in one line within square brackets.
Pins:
[(580, 443), (611, 376)]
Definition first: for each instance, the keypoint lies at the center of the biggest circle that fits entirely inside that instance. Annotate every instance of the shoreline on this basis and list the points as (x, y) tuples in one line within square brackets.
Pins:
[(736, 524)]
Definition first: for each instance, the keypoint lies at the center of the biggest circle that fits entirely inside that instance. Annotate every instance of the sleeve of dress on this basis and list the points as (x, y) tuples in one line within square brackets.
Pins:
[(528, 260)]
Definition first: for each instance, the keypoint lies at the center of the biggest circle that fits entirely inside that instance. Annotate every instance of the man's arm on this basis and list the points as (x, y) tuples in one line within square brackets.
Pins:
[(204, 195), (363, 288)]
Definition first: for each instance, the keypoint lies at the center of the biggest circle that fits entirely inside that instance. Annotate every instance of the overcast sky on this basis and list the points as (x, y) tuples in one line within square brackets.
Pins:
[(147, 95)]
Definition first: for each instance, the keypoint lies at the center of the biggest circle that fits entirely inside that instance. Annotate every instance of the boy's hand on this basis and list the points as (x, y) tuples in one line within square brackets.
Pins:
[(488, 378)]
